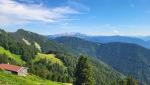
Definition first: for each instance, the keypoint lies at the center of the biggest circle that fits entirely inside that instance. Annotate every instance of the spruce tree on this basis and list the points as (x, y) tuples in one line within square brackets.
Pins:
[(83, 72), (130, 81), (127, 81)]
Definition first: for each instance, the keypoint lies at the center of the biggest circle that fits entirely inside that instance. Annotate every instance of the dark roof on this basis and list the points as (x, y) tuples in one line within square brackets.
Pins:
[(10, 67)]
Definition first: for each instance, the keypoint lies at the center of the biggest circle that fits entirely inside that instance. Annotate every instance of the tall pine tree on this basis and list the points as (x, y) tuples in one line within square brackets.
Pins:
[(83, 74), (130, 81), (127, 81)]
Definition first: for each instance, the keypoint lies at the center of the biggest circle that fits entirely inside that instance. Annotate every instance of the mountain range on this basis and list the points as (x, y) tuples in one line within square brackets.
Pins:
[(39, 54), (140, 40), (112, 57), (127, 58)]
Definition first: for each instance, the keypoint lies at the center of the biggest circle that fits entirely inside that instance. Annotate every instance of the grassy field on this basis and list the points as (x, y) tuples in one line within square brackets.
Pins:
[(12, 56), (49, 57), (10, 79)]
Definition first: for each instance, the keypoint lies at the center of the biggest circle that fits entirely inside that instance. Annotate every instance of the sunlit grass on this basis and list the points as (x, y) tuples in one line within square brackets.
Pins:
[(14, 57), (49, 57), (10, 79)]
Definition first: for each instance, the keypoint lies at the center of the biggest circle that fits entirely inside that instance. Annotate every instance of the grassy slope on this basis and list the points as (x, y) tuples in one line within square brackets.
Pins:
[(12, 56), (49, 57), (10, 79)]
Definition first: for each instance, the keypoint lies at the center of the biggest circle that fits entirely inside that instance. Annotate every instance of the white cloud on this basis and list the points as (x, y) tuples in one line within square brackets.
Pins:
[(14, 12), (116, 32)]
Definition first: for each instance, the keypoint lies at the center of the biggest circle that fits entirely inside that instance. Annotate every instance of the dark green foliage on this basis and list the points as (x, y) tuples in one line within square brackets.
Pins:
[(47, 70), (69, 61), (83, 74), (45, 44), (127, 81), (78, 46), (131, 81), (4, 59), (102, 73), (129, 59), (17, 46), (126, 58)]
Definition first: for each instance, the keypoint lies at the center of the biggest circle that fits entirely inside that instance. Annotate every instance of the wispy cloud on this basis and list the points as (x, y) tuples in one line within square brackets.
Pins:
[(15, 12), (116, 32), (76, 4)]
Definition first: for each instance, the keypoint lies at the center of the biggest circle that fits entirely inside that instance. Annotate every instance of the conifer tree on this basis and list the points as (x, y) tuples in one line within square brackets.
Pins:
[(130, 81), (127, 81), (83, 72)]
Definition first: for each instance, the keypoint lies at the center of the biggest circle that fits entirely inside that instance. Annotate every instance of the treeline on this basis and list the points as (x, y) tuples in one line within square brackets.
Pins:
[(83, 75), (45, 44), (127, 81), (47, 70), (18, 47), (5, 59), (83, 72), (55, 71)]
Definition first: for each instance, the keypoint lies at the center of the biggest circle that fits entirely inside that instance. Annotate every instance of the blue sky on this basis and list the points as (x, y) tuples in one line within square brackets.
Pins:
[(93, 17)]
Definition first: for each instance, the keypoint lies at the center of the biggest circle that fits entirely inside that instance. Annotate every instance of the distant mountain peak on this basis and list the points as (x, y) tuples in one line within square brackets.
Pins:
[(23, 31), (71, 34), (19, 30)]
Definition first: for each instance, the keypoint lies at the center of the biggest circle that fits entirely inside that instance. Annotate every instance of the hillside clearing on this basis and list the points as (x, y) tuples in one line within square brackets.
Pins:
[(49, 57)]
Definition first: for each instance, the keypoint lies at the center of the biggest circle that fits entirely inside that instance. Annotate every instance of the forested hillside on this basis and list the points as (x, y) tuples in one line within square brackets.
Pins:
[(44, 44), (78, 45), (49, 60), (130, 59)]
